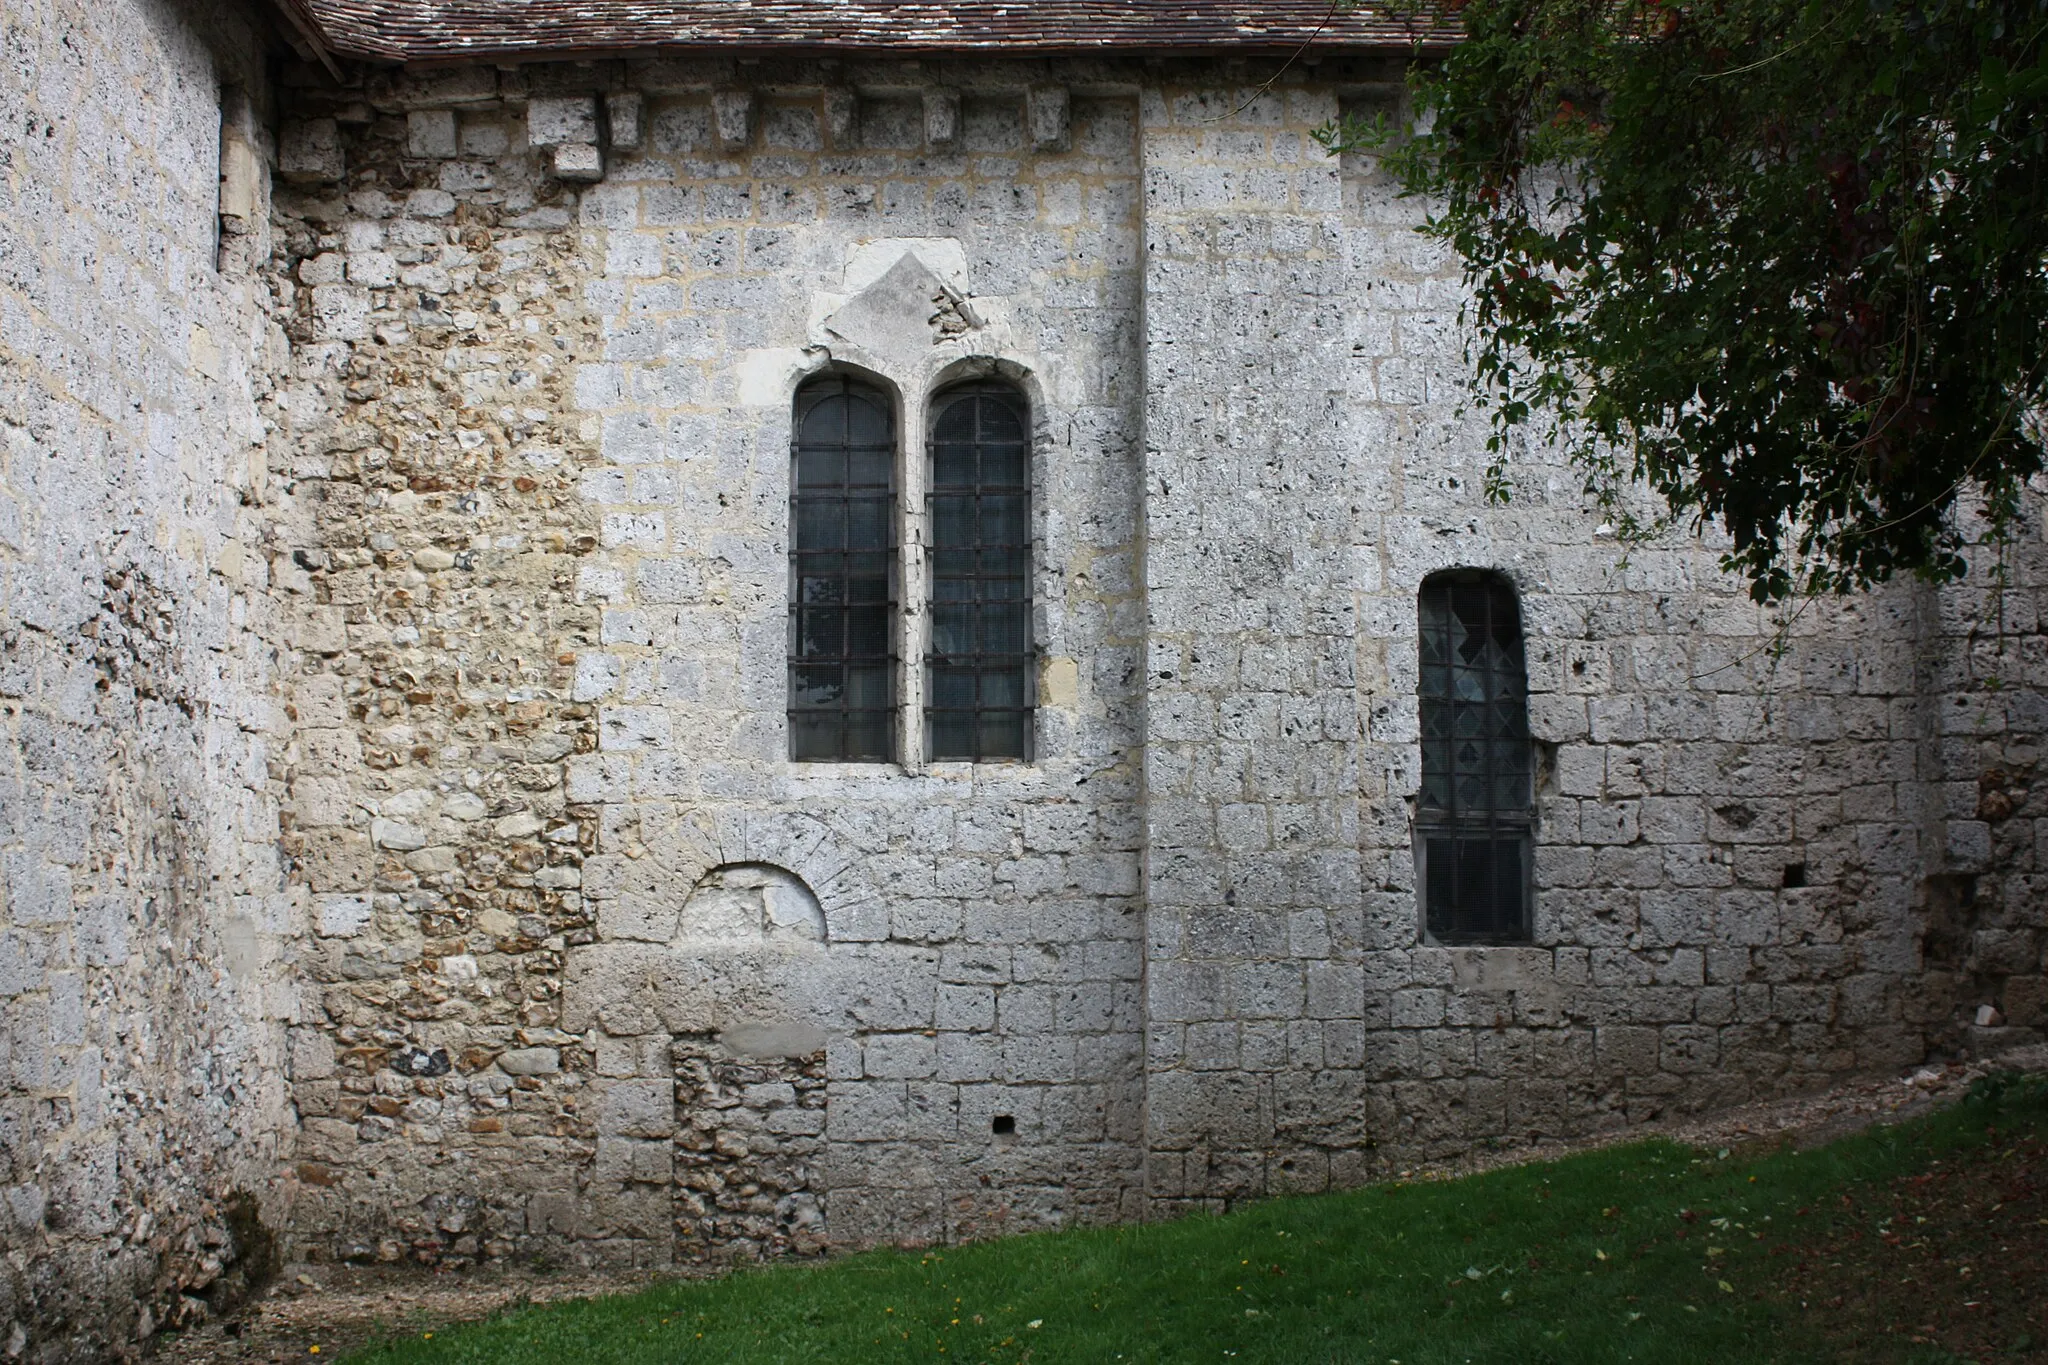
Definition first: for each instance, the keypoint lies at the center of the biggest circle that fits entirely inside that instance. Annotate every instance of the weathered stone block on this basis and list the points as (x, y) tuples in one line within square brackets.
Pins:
[(531, 1061), (941, 117), (312, 1055), (309, 151), (638, 1109), (430, 133), (842, 118), (732, 118), (329, 1140), (1049, 113), (334, 860), (876, 1111), (622, 1160), (581, 162), (625, 118), (555, 1214), (559, 120)]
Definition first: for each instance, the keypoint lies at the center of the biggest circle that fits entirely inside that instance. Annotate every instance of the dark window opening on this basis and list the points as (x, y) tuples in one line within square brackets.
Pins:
[(1475, 812), (842, 572), (1004, 1124), (1795, 875), (981, 684)]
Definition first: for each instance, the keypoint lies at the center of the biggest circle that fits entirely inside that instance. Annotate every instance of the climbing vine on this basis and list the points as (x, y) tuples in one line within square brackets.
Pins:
[(1783, 261)]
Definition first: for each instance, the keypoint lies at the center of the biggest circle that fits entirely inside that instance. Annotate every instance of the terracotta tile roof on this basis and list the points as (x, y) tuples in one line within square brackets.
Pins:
[(441, 30)]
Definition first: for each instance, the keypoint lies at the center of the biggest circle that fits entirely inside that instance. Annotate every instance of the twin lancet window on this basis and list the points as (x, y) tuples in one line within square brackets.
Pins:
[(846, 633), (1476, 812)]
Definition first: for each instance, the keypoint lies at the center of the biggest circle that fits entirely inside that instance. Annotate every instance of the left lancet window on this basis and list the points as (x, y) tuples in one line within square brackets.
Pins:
[(843, 573)]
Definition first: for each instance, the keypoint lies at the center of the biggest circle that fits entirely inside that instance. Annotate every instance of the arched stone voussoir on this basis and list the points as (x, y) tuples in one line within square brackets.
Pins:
[(785, 839), (686, 845), (797, 842)]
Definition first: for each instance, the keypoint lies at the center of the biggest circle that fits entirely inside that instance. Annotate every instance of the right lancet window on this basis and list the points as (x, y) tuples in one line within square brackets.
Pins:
[(980, 693), (1476, 811)]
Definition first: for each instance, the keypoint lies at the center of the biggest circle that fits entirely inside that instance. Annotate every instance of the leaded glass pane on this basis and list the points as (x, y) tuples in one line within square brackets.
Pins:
[(979, 695), (1475, 808), (842, 519)]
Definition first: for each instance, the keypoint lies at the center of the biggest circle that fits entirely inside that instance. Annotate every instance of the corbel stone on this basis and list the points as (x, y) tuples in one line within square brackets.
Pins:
[(732, 118), (561, 120), (1049, 113), (567, 124), (579, 161), (941, 117), (240, 171), (624, 115), (842, 118), (241, 164)]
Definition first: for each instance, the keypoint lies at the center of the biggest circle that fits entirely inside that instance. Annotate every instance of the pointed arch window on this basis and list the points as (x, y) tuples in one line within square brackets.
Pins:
[(981, 668), (842, 573), (1475, 813)]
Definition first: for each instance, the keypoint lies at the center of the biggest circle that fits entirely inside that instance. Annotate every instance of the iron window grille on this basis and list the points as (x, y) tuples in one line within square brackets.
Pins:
[(1476, 811), (842, 573), (981, 667)]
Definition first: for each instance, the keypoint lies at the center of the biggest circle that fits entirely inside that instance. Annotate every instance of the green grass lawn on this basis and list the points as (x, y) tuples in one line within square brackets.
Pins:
[(1649, 1252)]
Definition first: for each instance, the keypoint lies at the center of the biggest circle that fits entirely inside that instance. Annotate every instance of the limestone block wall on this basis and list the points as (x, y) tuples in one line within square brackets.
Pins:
[(542, 425), (1255, 922), (143, 908), (1771, 848), (1984, 910), (1731, 836), (595, 972)]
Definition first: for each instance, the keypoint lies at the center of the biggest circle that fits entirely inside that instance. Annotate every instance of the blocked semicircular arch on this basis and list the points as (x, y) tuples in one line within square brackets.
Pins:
[(800, 844), (740, 903)]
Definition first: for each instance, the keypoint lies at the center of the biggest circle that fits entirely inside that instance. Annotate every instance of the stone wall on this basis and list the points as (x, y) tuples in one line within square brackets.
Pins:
[(1982, 909), (551, 321), (544, 430), (395, 583), (1743, 843), (1258, 520), (143, 907), (1737, 858)]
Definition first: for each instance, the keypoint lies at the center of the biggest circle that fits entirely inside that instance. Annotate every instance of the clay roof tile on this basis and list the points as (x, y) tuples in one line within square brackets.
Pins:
[(442, 30)]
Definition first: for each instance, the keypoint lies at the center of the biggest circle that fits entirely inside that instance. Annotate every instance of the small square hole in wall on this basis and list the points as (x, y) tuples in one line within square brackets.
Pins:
[(1795, 875), (1005, 1125)]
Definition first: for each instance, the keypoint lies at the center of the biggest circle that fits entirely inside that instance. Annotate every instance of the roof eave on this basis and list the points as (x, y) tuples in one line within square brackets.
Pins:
[(303, 31), (523, 55)]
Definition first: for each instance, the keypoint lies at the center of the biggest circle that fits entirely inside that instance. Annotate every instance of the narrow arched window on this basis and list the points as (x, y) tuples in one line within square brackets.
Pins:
[(1476, 811), (981, 669), (842, 572)]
